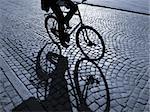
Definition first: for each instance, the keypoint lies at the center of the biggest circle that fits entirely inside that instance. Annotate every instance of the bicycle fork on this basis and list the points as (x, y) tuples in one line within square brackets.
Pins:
[(86, 39)]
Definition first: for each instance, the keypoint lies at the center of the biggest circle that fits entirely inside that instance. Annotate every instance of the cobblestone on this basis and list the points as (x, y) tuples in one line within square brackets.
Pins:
[(131, 102), (125, 63), (7, 93), (138, 107), (118, 108)]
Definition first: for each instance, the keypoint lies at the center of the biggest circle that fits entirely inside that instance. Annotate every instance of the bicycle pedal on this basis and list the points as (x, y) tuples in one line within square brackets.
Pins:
[(91, 44), (68, 27), (55, 32)]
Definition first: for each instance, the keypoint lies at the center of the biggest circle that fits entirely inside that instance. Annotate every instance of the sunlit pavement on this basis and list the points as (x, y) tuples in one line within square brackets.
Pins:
[(125, 64)]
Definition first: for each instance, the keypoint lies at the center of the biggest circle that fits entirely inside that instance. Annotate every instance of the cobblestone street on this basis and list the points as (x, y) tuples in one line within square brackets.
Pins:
[(125, 64)]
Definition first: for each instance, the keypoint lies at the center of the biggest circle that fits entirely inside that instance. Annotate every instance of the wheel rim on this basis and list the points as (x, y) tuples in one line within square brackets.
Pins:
[(51, 24), (45, 68), (98, 93), (95, 51)]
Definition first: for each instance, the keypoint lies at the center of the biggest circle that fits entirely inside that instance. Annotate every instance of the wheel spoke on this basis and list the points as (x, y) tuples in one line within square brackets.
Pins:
[(45, 68), (93, 87), (90, 42)]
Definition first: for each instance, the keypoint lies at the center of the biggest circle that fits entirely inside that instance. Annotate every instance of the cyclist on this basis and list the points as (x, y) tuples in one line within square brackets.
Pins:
[(54, 5)]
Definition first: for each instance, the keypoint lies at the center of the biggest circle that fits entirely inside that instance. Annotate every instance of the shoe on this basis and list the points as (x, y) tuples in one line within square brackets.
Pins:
[(55, 32), (64, 44), (64, 40), (66, 37), (67, 25)]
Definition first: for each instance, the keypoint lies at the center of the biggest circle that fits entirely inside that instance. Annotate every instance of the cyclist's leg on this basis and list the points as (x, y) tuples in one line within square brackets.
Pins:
[(73, 9), (60, 18)]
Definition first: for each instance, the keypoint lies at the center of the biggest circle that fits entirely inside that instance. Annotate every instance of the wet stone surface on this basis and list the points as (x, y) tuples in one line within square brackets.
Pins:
[(125, 63)]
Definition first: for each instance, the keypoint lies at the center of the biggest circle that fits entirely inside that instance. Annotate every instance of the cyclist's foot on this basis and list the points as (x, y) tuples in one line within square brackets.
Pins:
[(64, 40), (66, 37), (54, 31), (64, 44), (67, 25)]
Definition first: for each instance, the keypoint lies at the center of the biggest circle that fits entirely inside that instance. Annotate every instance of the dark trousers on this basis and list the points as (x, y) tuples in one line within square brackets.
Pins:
[(60, 18), (73, 9), (59, 14)]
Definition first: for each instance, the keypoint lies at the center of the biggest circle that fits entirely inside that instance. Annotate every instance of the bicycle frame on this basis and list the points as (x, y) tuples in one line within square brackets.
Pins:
[(80, 23), (77, 13)]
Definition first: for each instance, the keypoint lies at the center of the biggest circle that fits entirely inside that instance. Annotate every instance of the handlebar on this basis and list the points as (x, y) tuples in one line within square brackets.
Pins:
[(83, 1), (80, 2)]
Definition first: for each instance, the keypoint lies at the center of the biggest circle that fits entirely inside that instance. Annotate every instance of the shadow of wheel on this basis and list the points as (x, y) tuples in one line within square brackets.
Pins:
[(91, 87), (45, 69)]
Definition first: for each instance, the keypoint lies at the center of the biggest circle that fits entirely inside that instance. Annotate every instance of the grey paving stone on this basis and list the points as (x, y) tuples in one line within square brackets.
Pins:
[(142, 84), (5, 100), (94, 106), (118, 108), (128, 109), (33, 90), (113, 103), (124, 95), (1, 89), (1, 110), (17, 100), (122, 101), (147, 108), (123, 51), (101, 101), (24, 79), (113, 110), (27, 82), (145, 77), (137, 109), (137, 90), (131, 102), (139, 106), (8, 88), (119, 83), (27, 75), (143, 101), (12, 93), (30, 87), (116, 96), (7, 84), (9, 107), (135, 95)]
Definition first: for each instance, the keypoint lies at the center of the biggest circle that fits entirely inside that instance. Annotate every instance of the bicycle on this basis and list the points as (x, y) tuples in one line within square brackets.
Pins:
[(91, 88), (45, 69), (91, 44), (88, 84), (89, 41)]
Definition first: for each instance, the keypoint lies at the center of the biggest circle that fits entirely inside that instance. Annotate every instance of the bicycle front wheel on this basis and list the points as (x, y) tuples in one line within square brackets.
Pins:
[(90, 43)]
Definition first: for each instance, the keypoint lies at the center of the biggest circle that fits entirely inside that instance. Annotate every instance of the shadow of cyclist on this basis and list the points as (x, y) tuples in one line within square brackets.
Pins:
[(58, 98)]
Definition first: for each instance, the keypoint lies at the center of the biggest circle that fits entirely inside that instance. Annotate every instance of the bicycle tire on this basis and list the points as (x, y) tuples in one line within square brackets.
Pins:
[(44, 68), (80, 77), (51, 23), (90, 52)]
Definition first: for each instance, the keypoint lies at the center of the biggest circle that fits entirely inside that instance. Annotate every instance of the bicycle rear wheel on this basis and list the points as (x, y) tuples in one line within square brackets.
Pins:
[(90, 43), (51, 26), (91, 86)]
